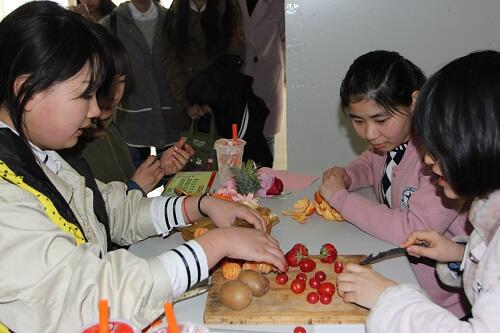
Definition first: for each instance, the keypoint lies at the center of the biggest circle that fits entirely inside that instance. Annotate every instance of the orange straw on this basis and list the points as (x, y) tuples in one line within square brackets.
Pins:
[(235, 133), (103, 316), (171, 321)]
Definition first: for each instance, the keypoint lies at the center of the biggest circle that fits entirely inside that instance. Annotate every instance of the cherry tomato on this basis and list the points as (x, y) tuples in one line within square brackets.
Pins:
[(281, 278), (325, 299), (338, 267), (307, 265), (312, 297), (301, 277), (314, 283), (299, 329), (320, 276), (298, 286), (326, 288)]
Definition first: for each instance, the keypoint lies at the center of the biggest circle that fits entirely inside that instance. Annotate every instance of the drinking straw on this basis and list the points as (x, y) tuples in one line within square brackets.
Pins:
[(235, 133), (171, 321), (103, 316)]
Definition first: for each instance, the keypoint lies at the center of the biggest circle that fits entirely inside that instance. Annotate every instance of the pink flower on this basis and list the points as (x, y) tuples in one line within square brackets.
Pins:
[(248, 200)]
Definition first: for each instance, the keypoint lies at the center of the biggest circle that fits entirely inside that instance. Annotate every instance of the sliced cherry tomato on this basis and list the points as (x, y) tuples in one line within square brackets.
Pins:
[(299, 329), (326, 288), (301, 277), (307, 265), (338, 267), (312, 297), (325, 299), (298, 286), (314, 283), (320, 276), (281, 278)]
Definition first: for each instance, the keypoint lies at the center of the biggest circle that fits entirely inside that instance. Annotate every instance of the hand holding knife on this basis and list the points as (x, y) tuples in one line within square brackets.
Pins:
[(389, 254)]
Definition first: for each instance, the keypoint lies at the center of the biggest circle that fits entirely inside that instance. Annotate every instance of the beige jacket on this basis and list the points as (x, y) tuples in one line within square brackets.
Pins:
[(48, 284)]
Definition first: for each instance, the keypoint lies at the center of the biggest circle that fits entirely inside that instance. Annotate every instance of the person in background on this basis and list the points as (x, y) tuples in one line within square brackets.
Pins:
[(458, 118), (103, 146), (379, 93), (264, 30), (97, 8), (56, 264), (145, 114), (198, 32)]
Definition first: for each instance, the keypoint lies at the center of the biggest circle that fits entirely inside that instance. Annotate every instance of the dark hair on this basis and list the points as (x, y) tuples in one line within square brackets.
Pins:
[(457, 117), (218, 30), (45, 44), (384, 77), (117, 58), (105, 7)]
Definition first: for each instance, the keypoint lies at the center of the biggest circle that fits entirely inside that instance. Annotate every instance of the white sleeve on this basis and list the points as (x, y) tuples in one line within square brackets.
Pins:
[(167, 214), (406, 308), (186, 265)]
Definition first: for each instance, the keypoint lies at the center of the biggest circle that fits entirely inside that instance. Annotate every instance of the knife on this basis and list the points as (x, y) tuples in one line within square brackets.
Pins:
[(389, 254)]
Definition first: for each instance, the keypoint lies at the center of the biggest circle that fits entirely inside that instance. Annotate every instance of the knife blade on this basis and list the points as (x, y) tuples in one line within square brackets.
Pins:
[(389, 254), (380, 256)]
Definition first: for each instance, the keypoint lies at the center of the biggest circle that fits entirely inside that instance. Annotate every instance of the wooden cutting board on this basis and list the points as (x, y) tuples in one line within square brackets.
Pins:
[(281, 306)]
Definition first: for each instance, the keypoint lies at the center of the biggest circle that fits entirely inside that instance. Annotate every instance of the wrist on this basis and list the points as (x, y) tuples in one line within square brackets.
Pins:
[(202, 205), (213, 245), (460, 251)]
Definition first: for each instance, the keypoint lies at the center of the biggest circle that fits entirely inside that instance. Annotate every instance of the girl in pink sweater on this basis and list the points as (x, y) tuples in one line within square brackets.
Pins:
[(379, 93), (458, 118)]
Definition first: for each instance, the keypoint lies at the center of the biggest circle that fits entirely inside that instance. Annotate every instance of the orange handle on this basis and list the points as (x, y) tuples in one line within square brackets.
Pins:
[(103, 316), (171, 321)]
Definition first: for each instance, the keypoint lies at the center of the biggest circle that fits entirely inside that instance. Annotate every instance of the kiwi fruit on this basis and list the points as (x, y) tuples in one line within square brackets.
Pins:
[(235, 295), (257, 282)]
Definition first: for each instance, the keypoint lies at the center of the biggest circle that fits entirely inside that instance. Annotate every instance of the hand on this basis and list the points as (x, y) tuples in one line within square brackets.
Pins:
[(196, 112), (175, 158), (440, 248), (206, 109), (334, 179), (241, 243), (224, 213), (148, 174), (83, 10), (361, 285)]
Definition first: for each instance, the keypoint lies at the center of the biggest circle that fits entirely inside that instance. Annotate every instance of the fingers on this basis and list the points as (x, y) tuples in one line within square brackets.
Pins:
[(194, 111), (150, 161), (189, 150), (252, 217), (419, 251), (420, 235), (277, 259), (354, 268), (273, 254)]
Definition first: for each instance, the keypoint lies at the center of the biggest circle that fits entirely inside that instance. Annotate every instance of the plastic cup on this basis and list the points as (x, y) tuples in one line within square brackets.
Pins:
[(229, 154), (184, 327), (115, 326)]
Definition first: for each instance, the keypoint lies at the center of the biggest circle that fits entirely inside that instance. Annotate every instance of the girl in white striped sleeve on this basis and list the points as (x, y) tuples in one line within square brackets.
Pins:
[(55, 264)]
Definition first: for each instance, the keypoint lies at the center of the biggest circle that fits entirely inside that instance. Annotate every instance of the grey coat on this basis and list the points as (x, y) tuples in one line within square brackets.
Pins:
[(144, 117)]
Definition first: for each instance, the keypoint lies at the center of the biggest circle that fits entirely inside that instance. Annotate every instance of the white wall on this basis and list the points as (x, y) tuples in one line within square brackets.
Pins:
[(325, 36)]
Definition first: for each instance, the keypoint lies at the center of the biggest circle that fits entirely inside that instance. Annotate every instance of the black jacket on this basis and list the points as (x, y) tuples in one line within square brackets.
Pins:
[(228, 92)]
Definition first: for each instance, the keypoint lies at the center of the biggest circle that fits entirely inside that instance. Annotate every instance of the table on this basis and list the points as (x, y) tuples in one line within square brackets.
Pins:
[(347, 238)]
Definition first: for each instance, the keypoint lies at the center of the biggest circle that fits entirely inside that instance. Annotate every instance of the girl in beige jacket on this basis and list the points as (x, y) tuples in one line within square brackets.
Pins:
[(54, 263)]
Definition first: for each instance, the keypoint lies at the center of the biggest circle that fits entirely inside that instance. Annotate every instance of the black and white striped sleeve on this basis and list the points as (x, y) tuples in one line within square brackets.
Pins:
[(186, 265), (167, 214)]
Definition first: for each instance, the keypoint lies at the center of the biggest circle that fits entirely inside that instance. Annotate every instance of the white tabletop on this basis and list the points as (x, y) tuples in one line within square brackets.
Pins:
[(347, 238)]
